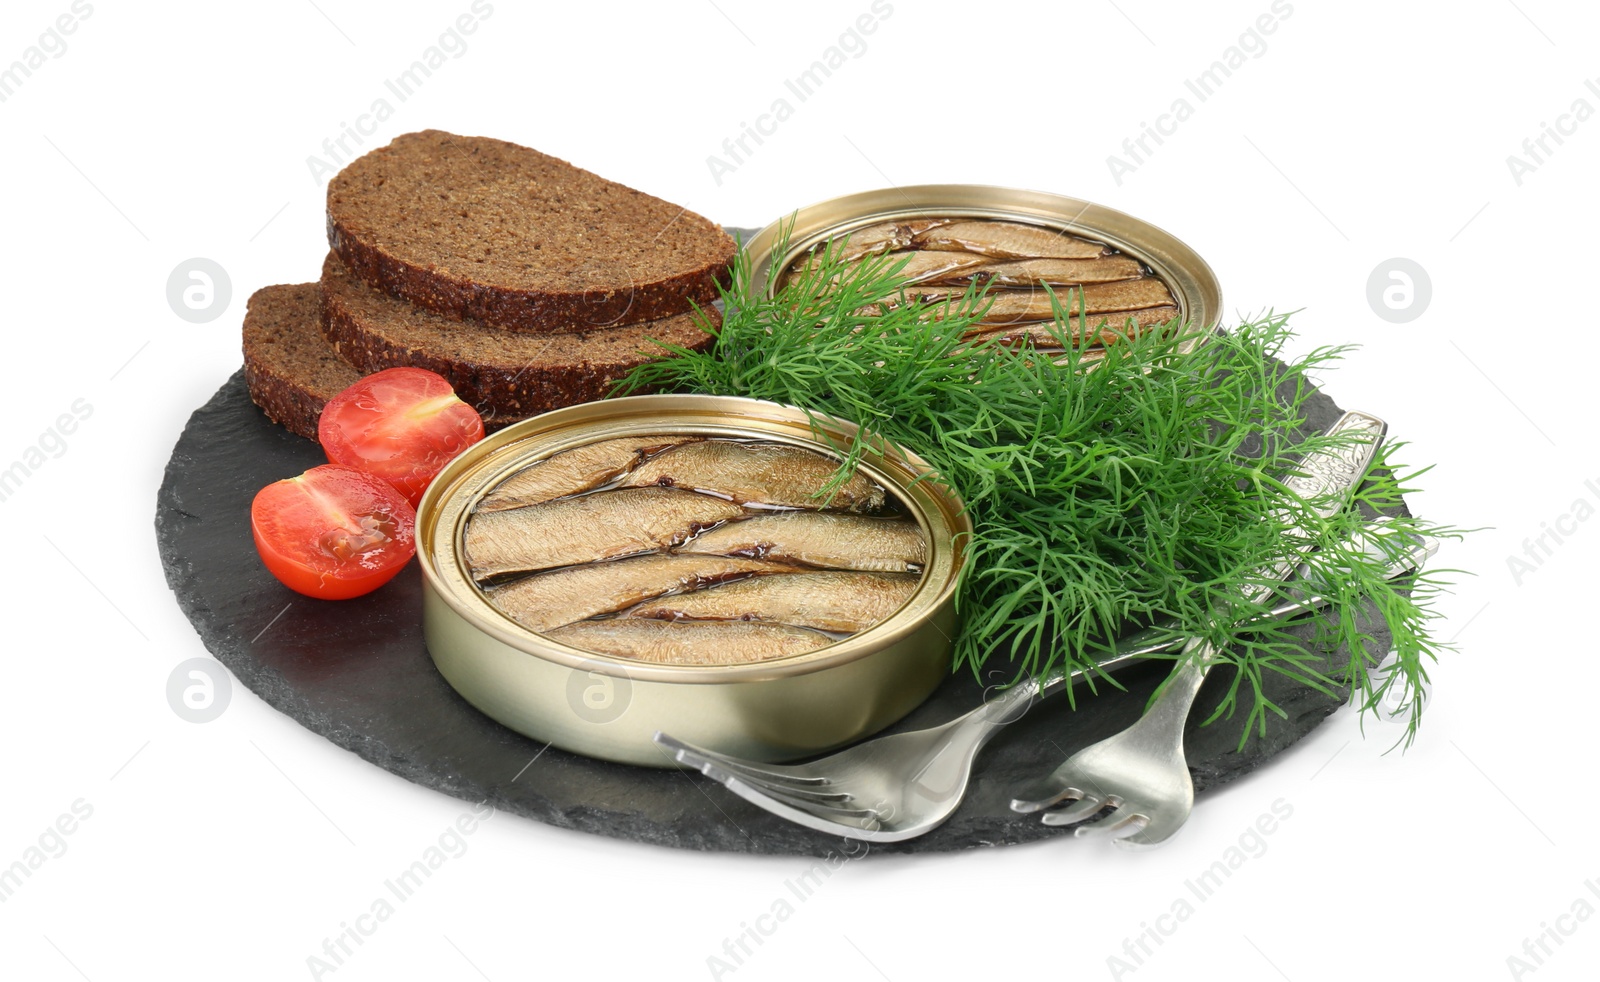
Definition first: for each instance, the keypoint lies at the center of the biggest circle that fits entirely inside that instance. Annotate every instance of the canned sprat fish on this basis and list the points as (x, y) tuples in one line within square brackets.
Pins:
[(665, 563), (1035, 254)]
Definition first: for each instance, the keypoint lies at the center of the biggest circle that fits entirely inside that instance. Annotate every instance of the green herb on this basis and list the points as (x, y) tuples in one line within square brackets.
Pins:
[(1104, 496)]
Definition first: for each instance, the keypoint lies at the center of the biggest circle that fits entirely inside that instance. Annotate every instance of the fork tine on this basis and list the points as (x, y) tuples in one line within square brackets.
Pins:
[(804, 796), (696, 759), (809, 801), (1027, 806), (1085, 806), (833, 798), (1068, 792), (774, 773), (1116, 826), (840, 812), (744, 769), (856, 825)]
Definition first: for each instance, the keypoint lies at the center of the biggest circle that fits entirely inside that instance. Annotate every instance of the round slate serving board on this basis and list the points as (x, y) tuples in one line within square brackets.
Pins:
[(358, 673)]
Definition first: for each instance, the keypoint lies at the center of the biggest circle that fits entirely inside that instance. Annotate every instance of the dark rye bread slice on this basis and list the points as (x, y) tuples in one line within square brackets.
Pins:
[(511, 372), (481, 228), (290, 369)]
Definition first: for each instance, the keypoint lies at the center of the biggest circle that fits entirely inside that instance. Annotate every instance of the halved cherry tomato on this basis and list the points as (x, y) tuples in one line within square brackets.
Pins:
[(402, 424), (333, 532)]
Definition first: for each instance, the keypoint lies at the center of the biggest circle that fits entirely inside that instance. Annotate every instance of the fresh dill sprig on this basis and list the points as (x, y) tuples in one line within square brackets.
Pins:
[(1141, 488)]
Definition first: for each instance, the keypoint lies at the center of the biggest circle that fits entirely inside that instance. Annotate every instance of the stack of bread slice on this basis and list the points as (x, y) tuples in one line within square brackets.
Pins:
[(528, 283)]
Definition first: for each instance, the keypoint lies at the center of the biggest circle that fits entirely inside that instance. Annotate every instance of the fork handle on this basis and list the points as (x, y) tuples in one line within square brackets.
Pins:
[(1008, 705), (1160, 729), (1011, 704), (1327, 479)]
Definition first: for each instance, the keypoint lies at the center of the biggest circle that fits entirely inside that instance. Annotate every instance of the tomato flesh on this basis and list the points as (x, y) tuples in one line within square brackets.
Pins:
[(334, 532), (402, 424)]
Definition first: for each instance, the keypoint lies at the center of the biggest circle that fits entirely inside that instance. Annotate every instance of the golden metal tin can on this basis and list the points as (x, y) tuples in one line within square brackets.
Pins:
[(1193, 284), (611, 707)]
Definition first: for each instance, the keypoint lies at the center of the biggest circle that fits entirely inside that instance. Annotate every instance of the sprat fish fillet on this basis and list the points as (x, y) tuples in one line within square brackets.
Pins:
[(1007, 240), (872, 240), (913, 267), (1056, 272), (1081, 332), (759, 474), (821, 539), (544, 601), (573, 471), (1017, 306), (830, 601), (588, 528)]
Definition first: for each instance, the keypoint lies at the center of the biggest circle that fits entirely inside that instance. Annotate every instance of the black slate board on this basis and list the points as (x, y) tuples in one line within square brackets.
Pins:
[(358, 673)]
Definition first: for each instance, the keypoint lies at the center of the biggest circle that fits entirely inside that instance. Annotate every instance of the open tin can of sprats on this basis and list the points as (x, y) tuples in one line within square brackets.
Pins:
[(1193, 286), (611, 706)]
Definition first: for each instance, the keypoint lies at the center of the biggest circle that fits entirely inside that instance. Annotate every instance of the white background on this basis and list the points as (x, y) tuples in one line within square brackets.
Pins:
[(1364, 131)]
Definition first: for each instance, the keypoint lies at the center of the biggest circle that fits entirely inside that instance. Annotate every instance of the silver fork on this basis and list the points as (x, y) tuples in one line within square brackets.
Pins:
[(1141, 774), (903, 785)]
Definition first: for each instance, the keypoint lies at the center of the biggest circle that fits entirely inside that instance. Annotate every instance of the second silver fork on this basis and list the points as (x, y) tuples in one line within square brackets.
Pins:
[(900, 786), (1141, 774)]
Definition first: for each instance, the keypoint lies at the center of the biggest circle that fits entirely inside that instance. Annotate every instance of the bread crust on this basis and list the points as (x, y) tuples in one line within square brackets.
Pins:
[(292, 371), (379, 248), (288, 377), (507, 373)]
